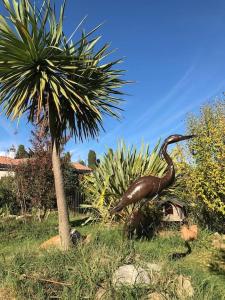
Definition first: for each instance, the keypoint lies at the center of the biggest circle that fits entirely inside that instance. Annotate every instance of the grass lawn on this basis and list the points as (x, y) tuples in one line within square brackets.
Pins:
[(84, 269)]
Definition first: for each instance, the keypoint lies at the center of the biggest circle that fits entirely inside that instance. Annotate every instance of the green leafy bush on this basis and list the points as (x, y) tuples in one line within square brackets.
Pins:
[(34, 178), (8, 201), (202, 167)]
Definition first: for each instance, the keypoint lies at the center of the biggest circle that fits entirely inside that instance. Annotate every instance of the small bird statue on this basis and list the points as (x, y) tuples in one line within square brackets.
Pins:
[(188, 233), (151, 186)]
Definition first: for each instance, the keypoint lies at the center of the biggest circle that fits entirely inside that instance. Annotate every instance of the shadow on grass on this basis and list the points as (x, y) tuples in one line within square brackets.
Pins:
[(218, 264), (79, 222)]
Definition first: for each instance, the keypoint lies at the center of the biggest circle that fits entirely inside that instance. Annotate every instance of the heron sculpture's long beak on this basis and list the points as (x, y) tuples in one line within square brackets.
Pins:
[(187, 137)]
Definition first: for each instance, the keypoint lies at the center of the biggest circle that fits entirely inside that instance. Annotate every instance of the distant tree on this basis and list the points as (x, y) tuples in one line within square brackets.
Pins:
[(34, 178), (67, 156), (92, 161), (21, 152), (110, 151), (82, 162), (71, 178)]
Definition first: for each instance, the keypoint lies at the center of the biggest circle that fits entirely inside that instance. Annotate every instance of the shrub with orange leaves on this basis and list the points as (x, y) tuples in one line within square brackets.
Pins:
[(189, 233)]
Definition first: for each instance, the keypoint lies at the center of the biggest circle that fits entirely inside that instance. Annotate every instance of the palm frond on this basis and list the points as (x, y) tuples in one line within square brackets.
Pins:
[(43, 72)]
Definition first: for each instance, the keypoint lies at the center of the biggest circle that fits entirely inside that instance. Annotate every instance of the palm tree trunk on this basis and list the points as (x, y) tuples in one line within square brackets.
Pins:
[(63, 215)]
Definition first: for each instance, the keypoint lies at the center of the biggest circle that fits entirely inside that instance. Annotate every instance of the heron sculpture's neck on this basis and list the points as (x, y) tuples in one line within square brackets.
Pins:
[(169, 176)]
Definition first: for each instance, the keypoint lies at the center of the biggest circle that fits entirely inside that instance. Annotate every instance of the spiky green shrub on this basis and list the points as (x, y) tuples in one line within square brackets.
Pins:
[(116, 171)]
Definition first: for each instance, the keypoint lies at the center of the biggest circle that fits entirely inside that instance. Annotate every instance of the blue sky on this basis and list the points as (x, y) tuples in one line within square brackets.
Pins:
[(174, 51)]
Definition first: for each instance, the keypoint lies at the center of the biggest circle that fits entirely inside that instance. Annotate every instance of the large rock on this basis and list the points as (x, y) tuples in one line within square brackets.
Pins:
[(130, 275), (184, 289)]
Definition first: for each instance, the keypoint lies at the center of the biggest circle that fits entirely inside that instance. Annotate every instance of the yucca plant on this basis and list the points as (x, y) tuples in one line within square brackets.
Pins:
[(116, 171), (100, 210), (45, 75)]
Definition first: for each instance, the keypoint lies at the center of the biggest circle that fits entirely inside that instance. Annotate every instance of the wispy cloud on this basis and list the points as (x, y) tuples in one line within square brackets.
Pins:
[(113, 132), (174, 119), (7, 127), (126, 126), (176, 90), (79, 152), (190, 92)]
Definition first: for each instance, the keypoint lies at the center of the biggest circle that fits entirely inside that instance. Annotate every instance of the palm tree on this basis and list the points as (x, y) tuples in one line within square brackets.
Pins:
[(44, 75)]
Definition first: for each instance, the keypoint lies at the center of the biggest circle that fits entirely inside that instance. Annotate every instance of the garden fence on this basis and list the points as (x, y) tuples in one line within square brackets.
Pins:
[(74, 202)]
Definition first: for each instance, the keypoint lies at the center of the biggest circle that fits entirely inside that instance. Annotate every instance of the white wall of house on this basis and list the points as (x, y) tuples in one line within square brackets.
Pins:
[(6, 173)]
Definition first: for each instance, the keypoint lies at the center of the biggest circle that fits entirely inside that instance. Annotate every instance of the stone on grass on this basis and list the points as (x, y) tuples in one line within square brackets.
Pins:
[(216, 235), (184, 289), (155, 296), (6, 294), (153, 267), (130, 275), (76, 238), (53, 242), (218, 241), (101, 294), (87, 239)]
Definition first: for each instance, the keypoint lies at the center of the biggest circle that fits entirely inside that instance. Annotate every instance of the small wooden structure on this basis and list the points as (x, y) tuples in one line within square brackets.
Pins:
[(173, 210)]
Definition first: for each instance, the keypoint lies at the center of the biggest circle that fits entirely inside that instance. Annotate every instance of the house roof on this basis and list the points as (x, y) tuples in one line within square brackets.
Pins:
[(173, 201), (8, 161), (80, 167)]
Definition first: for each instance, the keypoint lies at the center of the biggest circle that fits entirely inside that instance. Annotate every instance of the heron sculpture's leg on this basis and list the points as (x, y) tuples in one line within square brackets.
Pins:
[(145, 200), (135, 219)]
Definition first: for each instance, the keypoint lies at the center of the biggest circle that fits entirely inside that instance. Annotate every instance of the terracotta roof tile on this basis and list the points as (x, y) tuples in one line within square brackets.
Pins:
[(81, 167), (8, 161)]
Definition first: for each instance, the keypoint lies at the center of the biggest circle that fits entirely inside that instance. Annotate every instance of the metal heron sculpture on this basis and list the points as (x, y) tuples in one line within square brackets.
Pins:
[(151, 186)]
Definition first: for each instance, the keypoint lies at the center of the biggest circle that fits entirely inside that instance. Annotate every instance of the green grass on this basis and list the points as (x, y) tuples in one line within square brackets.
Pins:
[(88, 267)]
